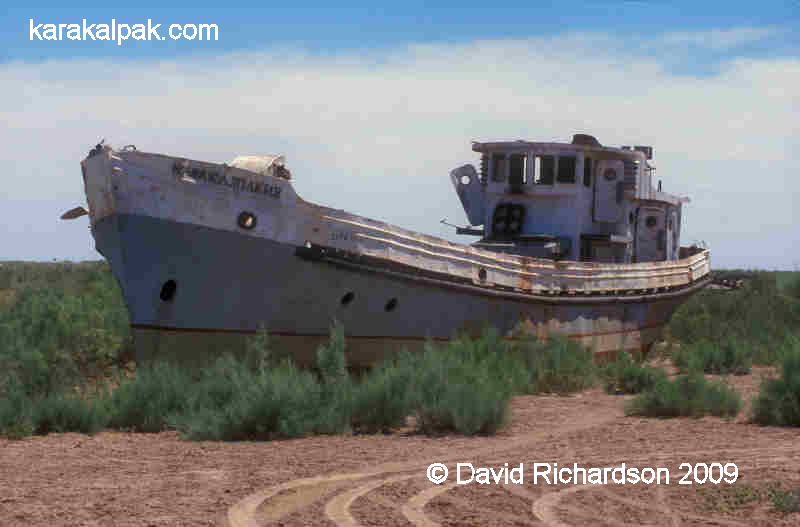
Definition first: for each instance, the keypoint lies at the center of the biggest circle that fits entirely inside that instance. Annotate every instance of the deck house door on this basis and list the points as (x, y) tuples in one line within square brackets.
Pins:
[(672, 221), (607, 180), (651, 235)]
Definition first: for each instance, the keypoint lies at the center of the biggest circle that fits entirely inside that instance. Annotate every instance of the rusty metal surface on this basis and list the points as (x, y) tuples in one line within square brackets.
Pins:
[(212, 195), (523, 273), (177, 218)]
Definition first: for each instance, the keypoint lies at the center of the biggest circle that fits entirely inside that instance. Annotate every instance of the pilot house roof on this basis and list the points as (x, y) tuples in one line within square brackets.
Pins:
[(582, 142)]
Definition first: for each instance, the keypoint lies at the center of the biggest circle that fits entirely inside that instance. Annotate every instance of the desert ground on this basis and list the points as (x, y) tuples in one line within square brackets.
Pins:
[(126, 479)]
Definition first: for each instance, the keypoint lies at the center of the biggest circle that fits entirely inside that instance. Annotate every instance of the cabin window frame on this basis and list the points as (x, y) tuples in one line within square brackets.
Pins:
[(494, 158), (524, 172), (587, 171), (558, 174), (538, 159)]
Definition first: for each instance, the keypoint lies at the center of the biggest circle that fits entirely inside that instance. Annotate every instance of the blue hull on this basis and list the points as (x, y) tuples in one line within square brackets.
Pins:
[(226, 284)]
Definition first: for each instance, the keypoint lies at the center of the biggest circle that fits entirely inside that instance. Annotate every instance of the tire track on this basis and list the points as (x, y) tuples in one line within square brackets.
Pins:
[(414, 509), (544, 507), (249, 511), (338, 509), (271, 504)]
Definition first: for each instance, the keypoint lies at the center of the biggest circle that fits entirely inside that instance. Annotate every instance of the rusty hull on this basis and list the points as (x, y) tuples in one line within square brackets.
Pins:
[(291, 271)]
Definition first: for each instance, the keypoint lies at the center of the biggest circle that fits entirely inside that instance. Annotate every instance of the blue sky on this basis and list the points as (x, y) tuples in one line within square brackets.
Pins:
[(323, 29), (361, 97)]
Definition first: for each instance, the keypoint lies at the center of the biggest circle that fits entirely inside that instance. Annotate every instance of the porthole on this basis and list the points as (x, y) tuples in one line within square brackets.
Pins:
[(390, 305), (347, 298), (482, 274), (651, 222), (246, 220), (168, 290), (610, 174), (465, 180)]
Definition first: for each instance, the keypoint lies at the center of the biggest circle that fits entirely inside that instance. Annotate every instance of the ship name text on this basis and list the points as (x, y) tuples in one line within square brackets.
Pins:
[(216, 177)]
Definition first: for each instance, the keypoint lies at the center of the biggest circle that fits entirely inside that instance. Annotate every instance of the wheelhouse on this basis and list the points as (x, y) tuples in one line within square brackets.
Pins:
[(574, 201)]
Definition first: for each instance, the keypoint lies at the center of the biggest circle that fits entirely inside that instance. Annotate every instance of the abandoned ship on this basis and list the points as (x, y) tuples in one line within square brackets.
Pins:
[(573, 238)]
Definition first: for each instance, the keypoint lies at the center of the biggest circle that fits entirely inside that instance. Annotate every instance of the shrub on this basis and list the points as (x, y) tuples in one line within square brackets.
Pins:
[(556, 365), (731, 357), (258, 352), (15, 411), (144, 403), (63, 412), (688, 395), (778, 401), (460, 390), (384, 397), (277, 403), (626, 375), (757, 318), (785, 501), (336, 390), (262, 399), (64, 320)]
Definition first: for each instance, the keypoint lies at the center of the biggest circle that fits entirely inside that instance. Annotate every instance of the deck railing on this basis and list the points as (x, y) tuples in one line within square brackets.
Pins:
[(525, 274)]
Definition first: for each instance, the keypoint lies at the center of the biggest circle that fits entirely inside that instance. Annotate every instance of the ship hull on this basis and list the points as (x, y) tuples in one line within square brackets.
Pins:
[(227, 284)]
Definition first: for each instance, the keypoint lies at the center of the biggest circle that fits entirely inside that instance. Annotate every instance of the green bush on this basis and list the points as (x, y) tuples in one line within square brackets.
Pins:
[(259, 399), (756, 318), (730, 357), (58, 323), (778, 401), (688, 395), (555, 365), (384, 398), (336, 389), (785, 501), (626, 375), (460, 390), (62, 412), (16, 410), (146, 402), (791, 284), (281, 402)]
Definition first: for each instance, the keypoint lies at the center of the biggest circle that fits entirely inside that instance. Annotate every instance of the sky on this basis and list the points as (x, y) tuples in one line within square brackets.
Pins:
[(373, 106)]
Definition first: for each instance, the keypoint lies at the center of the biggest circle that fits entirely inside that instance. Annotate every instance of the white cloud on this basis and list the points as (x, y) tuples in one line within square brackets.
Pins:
[(376, 133), (721, 39)]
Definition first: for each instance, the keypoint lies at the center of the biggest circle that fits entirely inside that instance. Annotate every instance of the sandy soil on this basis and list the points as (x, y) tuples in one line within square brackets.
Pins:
[(159, 480)]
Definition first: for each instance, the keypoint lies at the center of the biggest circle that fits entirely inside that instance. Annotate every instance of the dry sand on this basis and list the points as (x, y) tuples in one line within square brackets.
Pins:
[(159, 480)]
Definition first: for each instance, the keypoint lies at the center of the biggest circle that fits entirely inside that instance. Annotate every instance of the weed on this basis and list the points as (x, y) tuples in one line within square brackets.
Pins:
[(778, 400), (384, 398), (282, 402), (727, 498), (730, 357), (16, 409), (785, 501), (748, 324), (556, 365), (626, 375), (461, 390), (144, 403), (63, 412), (688, 395)]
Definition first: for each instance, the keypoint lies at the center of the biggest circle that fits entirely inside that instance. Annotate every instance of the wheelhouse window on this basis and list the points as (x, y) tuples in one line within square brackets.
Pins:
[(544, 170), (566, 169), (587, 171), (498, 168), (516, 170)]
